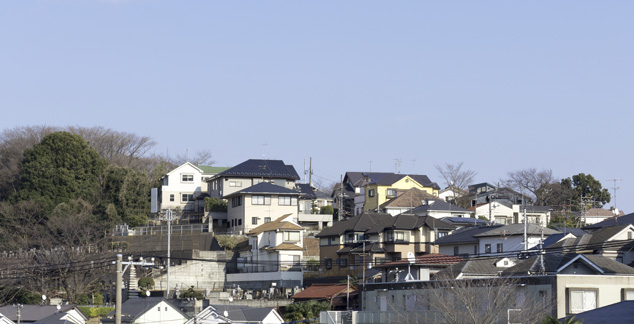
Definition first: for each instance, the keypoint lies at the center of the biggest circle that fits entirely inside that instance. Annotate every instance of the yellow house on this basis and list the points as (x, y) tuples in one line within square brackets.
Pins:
[(391, 185)]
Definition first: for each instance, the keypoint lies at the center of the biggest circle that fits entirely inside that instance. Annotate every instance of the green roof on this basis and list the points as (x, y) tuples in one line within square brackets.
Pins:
[(207, 169)]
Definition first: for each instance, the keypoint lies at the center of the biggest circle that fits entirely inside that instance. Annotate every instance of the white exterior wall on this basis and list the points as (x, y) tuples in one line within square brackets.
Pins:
[(510, 243), (359, 200), (173, 184), (462, 249), (497, 209), (248, 210), (609, 288), (158, 314)]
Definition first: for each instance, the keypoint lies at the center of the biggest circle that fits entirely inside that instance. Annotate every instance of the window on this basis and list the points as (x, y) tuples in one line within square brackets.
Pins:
[(260, 200), (235, 184), (239, 222), (391, 193), (254, 220), (343, 262), (187, 178), (287, 201), (187, 197), (328, 263), (371, 193), (291, 236), (500, 247), (456, 250), (441, 234), (581, 300), (267, 219), (628, 294), (475, 249), (171, 197), (236, 201), (397, 236), (487, 248)]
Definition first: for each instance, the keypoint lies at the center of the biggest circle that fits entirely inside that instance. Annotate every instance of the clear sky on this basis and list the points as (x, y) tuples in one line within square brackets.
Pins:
[(498, 85)]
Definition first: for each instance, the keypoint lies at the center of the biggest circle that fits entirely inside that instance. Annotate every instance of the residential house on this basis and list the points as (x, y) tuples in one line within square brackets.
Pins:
[(621, 312), (243, 176), (311, 201), (273, 257), (563, 284), (462, 222), (510, 238), (596, 215), (462, 242), (387, 186), (477, 268), (451, 194), (148, 310), (620, 220), (351, 192), (245, 314), (614, 242), (340, 296), (42, 314), (438, 209), (485, 192), (403, 234), (348, 236), (209, 315), (503, 212), (259, 204), (405, 200), (183, 189)]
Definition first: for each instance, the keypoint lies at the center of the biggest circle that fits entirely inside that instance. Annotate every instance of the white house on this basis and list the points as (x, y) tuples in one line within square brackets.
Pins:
[(154, 310), (273, 257), (510, 238)]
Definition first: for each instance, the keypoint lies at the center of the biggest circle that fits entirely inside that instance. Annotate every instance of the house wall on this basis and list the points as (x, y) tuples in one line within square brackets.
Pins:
[(609, 289), (372, 203), (462, 249), (159, 314), (510, 243), (246, 211), (173, 185), (264, 280)]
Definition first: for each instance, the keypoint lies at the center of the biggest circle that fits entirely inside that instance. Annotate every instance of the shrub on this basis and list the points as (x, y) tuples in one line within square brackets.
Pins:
[(327, 210)]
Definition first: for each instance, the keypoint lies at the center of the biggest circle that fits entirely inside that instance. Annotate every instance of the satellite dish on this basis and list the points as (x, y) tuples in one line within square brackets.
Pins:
[(225, 313), (147, 293), (230, 299), (410, 257), (59, 307), (43, 297)]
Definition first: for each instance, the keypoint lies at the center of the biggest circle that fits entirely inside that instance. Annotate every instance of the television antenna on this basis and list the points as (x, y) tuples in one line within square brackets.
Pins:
[(615, 188)]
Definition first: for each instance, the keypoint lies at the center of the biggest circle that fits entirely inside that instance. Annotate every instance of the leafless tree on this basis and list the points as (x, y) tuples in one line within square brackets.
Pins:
[(477, 301), (454, 175), (199, 158), (537, 183)]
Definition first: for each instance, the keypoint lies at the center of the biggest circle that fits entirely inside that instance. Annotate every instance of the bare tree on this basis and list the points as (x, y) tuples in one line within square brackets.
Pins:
[(199, 158), (477, 301), (454, 175), (537, 183)]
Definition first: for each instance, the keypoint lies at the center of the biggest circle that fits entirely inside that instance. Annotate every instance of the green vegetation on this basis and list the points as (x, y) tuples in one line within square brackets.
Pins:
[(229, 242), (215, 204), (327, 210), (191, 293), (146, 283), (92, 312), (305, 310)]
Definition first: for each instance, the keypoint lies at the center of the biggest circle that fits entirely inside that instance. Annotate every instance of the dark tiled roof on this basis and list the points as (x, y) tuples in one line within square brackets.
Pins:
[(265, 188), (358, 223), (603, 234), (517, 229), (355, 178), (574, 231), (262, 168), (306, 190), (621, 312), (472, 267), (32, 313), (410, 222), (465, 235), (135, 307), (464, 221), (554, 261)]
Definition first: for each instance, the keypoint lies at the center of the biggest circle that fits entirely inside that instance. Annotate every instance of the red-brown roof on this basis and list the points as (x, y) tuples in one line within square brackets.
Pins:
[(426, 259), (322, 291)]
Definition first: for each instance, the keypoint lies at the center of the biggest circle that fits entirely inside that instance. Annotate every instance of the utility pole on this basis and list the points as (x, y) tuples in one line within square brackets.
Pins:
[(310, 172), (119, 274), (169, 248), (341, 212)]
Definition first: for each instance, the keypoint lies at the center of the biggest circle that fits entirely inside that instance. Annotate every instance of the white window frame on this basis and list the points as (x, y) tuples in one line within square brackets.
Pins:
[(187, 178), (187, 197), (260, 200), (589, 299)]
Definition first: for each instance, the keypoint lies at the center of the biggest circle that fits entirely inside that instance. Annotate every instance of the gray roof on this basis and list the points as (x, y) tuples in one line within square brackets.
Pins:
[(261, 168), (132, 308), (32, 313), (554, 261), (473, 267), (622, 220), (306, 190), (238, 313), (465, 235), (574, 231), (265, 188), (621, 312), (468, 221), (358, 223), (517, 229)]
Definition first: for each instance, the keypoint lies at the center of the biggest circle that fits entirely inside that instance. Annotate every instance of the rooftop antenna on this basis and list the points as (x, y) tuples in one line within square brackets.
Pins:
[(264, 151), (370, 166), (615, 188), (397, 165)]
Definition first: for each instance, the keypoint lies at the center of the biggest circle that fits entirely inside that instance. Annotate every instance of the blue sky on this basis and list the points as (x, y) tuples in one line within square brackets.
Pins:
[(498, 85)]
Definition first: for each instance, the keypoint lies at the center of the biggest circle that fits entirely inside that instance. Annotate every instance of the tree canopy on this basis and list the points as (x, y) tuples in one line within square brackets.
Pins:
[(59, 168)]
